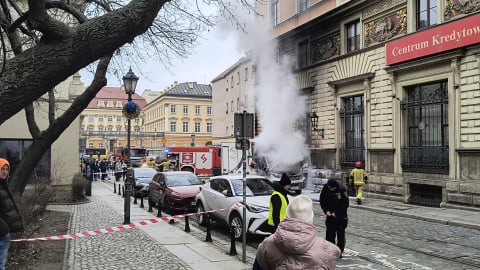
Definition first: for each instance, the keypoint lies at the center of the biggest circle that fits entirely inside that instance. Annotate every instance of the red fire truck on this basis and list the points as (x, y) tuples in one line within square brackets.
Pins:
[(199, 160), (137, 154)]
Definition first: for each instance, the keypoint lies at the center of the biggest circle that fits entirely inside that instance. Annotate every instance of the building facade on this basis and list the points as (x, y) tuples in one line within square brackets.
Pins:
[(102, 124), (232, 92), (180, 116), (395, 84)]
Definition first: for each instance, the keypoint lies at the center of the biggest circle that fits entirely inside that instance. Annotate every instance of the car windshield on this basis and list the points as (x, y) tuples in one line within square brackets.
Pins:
[(255, 187), (175, 180)]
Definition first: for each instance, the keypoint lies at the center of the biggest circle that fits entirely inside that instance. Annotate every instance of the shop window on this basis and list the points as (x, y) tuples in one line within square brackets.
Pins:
[(427, 13), (353, 36), (352, 131), (425, 114)]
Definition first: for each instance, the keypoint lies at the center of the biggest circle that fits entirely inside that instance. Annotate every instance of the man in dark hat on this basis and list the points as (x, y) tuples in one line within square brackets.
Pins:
[(279, 201), (334, 203)]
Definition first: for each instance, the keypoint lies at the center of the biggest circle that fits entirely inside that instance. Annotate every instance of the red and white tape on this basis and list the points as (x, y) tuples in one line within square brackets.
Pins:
[(121, 227)]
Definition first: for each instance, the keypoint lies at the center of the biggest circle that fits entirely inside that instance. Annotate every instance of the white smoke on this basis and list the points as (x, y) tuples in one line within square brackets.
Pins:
[(278, 102)]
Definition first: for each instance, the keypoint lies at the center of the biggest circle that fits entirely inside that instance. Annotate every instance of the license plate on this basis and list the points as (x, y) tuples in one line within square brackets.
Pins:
[(193, 203)]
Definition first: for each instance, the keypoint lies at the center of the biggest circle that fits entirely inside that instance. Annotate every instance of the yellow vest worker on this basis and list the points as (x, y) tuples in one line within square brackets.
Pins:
[(359, 178), (279, 202)]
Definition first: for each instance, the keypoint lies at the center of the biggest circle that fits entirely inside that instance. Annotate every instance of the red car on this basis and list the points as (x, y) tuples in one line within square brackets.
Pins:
[(175, 190)]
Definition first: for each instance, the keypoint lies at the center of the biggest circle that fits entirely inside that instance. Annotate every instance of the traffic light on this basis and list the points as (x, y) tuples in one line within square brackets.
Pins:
[(241, 144)]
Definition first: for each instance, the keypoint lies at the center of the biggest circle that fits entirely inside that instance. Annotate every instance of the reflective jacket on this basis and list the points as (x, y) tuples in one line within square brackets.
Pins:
[(283, 207), (358, 176)]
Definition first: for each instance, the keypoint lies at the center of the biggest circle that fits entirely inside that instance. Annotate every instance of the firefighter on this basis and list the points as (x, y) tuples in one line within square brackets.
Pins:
[(165, 165), (358, 178)]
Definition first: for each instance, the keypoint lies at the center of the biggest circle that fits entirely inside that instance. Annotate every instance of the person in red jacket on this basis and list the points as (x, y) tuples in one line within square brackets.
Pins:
[(10, 220)]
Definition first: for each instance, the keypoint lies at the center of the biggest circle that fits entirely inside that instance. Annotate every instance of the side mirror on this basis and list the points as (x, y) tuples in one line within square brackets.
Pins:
[(227, 193)]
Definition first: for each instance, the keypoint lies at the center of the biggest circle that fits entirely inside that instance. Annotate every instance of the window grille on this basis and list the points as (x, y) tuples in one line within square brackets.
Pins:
[(352, 132)]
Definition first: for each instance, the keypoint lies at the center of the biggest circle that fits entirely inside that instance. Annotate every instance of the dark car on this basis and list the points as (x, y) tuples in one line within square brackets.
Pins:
[(143, 176), (175, 190)]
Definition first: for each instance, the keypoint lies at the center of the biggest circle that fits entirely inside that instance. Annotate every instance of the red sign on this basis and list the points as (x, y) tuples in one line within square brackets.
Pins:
[(442, 38), (187, 158)]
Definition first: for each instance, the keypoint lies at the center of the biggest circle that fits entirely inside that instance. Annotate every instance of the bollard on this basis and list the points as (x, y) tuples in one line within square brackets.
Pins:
[(119, 189), (123, 191), (134, 199), (159, 206), (207, 223), (187, 224), (141, 202), (233, 249), (114, 188), (150, 208)]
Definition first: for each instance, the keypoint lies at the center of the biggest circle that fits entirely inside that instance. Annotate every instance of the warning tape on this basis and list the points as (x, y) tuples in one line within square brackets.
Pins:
[(121, 227)]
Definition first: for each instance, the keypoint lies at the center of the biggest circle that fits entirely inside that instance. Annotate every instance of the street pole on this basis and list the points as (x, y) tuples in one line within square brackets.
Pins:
[(244, 164), (128, 183)]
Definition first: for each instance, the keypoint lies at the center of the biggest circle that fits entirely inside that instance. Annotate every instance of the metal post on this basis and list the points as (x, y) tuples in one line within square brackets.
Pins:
[(128, 183), (244, 164), (207, 224), (233, 248), (141, 202), (187, 224)]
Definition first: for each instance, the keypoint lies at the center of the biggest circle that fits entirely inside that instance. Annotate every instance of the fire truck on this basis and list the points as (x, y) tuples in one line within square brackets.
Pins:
[(205, 161), (137, 154)]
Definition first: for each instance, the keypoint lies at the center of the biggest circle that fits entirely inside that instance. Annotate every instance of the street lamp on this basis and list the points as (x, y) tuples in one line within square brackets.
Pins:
[(193, 140), (130, 111)]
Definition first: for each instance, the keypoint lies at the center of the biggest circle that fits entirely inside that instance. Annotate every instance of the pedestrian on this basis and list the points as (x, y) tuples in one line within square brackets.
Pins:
[(10, 219), (117, 169), (124, 170), (295, 244), (358, 178), (279, 202), (334, 203)]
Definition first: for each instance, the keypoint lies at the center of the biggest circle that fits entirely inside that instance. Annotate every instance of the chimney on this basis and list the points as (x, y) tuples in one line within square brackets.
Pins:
[(190, 85)]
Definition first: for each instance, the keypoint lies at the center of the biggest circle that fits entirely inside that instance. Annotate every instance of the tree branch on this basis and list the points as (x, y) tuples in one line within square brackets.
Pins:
[(31, 123)]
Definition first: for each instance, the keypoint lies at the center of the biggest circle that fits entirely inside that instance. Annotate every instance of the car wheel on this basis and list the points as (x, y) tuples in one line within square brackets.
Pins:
[(236, 220), (201, 218), (167, 206)]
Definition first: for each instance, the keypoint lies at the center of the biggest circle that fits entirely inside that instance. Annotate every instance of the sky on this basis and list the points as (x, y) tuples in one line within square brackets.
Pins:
[(215, 53)]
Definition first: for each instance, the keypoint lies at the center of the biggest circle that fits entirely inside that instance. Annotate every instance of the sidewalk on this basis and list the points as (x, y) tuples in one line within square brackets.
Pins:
[(467, 218), (154, 246)]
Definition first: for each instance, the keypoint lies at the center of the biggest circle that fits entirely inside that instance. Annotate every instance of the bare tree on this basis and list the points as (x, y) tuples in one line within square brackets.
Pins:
[(45, 42)]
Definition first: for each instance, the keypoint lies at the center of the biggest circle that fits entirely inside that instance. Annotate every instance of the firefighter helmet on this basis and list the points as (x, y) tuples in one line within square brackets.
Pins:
[(358, 164)]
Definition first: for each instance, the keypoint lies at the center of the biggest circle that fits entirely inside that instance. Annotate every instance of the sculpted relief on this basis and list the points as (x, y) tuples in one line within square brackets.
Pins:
[(460, 7), (385, 28)]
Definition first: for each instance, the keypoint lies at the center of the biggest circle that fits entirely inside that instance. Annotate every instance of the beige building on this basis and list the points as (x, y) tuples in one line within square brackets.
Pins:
[(233, 93), (180, 116), (102, 124), (394, 84), (61, 162), (150, 95)]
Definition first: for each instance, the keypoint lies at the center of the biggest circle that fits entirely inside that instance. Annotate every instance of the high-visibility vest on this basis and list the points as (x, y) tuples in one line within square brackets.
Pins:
[(358, 176), (283, 208)]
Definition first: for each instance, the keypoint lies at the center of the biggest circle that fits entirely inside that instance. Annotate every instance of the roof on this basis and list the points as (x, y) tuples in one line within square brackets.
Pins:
[(114, 94), (190, 89), (230, 69)]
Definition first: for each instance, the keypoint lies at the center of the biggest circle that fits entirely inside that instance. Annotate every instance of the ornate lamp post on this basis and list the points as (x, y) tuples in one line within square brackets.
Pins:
[(130, 111)]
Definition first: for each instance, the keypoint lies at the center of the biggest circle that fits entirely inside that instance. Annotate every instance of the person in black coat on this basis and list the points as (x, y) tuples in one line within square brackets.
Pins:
[(334, 203)]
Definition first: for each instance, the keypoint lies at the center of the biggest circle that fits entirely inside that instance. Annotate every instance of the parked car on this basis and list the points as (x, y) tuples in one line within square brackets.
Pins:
[(226, 191), (143, 176), (175, 190)]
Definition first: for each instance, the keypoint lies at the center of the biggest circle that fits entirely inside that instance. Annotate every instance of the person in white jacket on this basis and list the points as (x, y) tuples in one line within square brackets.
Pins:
[(295, 244)]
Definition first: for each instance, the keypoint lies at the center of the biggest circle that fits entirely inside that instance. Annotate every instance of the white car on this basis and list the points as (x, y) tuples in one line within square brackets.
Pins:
[(226, 191)]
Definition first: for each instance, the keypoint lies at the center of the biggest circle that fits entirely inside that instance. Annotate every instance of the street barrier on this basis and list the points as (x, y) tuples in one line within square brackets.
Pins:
[(125, 227)]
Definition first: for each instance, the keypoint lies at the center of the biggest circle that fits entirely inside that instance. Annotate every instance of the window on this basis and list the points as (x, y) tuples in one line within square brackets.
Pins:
[(172, 108), (302, 5), (119, 119), (352, 133), (173, 126), (197, 127), (110, 118), (110, 104), (100, 128), (238, 77), (90, 118), (274, 12), (100, 118), (185, 109), (231, 105), (90, 145), (425, 113), (238, 104), (185, 127), (90, 129), (209, 110), (303, 54), (246, 74), (231, 84), (110, 129), (226, 108), (100, 145), (197, 109), (353, 36), (427, 13), (118, 104), (209, 127), (101, 103)]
